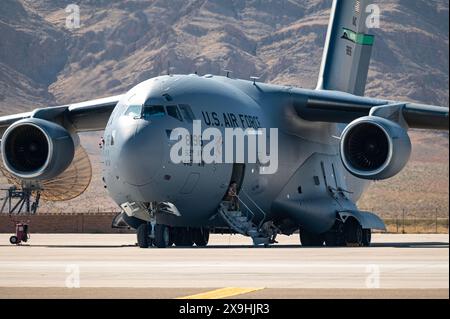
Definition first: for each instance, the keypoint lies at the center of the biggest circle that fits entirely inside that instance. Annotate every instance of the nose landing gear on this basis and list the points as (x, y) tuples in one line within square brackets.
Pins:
[(163, 236)]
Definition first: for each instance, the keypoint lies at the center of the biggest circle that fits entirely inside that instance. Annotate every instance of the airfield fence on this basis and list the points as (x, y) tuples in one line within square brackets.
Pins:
[(64, 223), (416, 221), (99, 221), (417, 226)]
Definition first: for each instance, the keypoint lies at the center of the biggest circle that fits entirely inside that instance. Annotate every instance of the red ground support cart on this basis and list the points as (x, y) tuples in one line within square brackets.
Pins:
[(22, 234), (18, 204)]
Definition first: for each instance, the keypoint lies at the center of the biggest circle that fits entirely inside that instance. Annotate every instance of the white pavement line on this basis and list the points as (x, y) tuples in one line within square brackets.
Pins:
[(178, 264)]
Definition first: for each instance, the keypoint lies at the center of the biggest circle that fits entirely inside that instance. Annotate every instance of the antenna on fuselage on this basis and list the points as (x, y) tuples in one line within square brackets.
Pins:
[(254, 78), (228, 72), (169, 68)]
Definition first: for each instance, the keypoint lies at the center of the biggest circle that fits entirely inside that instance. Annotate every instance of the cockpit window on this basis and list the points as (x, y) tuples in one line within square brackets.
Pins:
[(187, 113), (153, 111), (133, 111), (172, 110)]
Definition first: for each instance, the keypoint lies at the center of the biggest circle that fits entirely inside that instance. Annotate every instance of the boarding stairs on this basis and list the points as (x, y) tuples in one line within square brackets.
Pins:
[(243, 223)]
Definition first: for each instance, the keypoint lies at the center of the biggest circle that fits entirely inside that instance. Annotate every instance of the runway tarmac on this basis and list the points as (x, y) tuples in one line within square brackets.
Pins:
[(111, 266)]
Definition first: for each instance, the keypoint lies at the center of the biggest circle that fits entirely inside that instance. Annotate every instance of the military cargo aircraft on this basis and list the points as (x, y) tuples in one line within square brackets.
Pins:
[(329, 145)]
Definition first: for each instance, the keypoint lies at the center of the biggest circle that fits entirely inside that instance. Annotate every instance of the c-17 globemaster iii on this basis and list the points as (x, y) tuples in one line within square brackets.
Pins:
[(309, 154)]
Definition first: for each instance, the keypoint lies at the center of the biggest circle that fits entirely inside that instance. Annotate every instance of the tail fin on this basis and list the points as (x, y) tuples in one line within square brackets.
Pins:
[(348, 48)]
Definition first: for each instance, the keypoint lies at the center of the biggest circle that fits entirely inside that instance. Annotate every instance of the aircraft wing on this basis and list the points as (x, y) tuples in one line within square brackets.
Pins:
[(338, 107), (426, 116), (86, 116)]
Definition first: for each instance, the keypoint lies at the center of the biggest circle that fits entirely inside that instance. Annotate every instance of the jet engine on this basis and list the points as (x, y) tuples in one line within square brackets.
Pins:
[(45, 155), (374, 148), (35, 149)]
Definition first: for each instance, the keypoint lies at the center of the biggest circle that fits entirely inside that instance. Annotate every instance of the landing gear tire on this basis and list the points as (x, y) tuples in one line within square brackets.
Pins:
[(143, 238), (173, 233), (177, 236), (162, 236), (13, 240), (367, 237), (335, 237), (353, 232), (183, 237), (308, 239), (201, 236)]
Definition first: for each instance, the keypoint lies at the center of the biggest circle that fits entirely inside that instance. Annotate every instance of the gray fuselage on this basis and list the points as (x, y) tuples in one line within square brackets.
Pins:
[(138, 168)]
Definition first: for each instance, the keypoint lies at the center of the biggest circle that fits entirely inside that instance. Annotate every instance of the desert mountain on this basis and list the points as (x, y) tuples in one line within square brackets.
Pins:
[(120, 43)]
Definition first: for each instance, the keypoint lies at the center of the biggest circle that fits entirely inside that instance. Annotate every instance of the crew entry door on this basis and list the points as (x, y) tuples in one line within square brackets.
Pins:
[(237, 176)]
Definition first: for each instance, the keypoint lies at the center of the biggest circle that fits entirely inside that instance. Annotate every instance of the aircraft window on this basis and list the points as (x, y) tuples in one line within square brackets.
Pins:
[(172, 110), (187, 112), (134, 111), (154, 111)]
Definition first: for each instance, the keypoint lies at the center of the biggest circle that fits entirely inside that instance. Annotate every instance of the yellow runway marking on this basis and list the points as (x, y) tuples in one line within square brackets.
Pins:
[(222, 293)]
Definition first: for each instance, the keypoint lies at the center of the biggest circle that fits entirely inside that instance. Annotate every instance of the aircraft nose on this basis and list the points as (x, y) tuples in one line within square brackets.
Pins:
[(141, 156)]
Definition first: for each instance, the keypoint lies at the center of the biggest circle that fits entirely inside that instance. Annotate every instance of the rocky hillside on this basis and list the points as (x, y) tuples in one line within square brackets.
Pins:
[(121, 43)]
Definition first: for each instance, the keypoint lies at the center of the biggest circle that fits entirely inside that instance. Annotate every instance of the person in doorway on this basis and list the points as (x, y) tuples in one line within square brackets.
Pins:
[(232, 196)]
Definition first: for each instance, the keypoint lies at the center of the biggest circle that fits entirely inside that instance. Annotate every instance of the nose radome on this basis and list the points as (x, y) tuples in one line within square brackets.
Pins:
[(141, 156)]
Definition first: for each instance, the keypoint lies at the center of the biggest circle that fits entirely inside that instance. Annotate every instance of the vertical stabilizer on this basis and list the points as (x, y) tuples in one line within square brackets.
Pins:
[(348, 48)]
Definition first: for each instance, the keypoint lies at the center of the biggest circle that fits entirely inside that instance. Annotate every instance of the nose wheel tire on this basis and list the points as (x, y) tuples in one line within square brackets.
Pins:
[(143, 236), (162, 236)]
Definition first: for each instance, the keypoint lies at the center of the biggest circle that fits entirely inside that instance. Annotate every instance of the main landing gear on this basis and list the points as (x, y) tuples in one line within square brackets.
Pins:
[(348, 234), (162, 236)]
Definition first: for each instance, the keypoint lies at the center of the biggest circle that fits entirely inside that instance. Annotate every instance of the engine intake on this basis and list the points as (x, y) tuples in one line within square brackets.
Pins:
[(375, 148), (37, 149)]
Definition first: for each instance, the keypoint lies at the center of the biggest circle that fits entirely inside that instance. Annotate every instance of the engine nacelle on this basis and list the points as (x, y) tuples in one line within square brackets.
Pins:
[(375, 148), (35, 149)]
